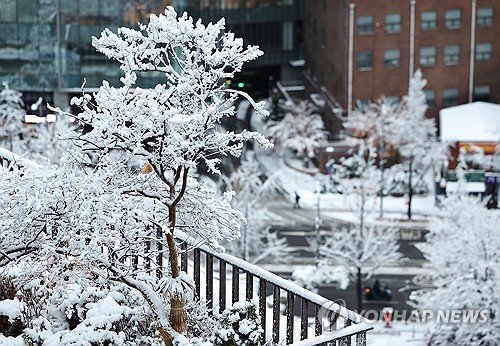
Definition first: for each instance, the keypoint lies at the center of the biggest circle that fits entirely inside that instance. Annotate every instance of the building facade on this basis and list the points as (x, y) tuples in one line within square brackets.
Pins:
[(46, 50), (360, 50)]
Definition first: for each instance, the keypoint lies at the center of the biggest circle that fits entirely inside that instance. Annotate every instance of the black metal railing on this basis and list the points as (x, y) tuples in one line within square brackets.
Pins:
[(289, 313)]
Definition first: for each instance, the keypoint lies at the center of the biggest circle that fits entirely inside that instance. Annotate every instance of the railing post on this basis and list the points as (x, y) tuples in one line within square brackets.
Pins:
[(289, 318), (184, 257), (236, 284), (249, 287), (318, 328), (361, 339), (159, 256), (262, 309), (222, 286), (276, 314), (303, 319), (210, 283), (197, 271)]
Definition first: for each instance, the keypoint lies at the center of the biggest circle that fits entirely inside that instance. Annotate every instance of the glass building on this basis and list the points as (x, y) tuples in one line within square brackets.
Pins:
[(45, 45)]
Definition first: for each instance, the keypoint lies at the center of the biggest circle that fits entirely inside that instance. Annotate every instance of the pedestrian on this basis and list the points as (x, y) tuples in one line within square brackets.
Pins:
[(443, 186), (437, 192), (297, 198)]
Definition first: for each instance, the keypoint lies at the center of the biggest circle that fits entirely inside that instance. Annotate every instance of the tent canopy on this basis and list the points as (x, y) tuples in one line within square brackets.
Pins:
[(471, 122)]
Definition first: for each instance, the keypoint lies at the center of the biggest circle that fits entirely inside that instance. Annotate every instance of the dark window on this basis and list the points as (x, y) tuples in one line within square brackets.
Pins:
[(430, 97), (393, 22), (392, 58), (485, 16), (365, 60), (481, 93), (451, 54), (365, 24), (483, 51), (363, 103), (427, 56), (452, 19), (428, 20), (393, 100), (450, 97)]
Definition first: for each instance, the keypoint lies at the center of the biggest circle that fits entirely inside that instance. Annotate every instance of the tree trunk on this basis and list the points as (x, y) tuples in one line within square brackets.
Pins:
[(359, 288), (178, 313), (410, 189)]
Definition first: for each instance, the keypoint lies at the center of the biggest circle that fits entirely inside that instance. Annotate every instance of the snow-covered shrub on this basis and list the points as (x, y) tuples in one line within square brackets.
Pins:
[(200, 323), (350, 167), (238, 325), (70, 314), (397, 183)]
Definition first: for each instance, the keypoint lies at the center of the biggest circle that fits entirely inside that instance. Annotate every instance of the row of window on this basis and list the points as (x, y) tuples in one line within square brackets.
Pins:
[(428, 20), (427, 56), (450, 97)]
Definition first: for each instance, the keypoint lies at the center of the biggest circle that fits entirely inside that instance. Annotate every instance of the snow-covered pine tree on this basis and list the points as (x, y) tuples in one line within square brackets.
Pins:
[(414, 135), (94, 216), (462, 248)]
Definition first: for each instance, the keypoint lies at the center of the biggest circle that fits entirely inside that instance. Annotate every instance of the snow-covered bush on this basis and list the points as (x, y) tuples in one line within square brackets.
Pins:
[(238, 326)]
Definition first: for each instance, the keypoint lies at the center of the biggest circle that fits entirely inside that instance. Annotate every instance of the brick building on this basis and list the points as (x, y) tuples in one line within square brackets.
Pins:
[(358, 50)]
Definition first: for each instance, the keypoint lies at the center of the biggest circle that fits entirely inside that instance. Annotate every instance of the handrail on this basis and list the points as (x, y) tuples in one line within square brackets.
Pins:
[(18, 159), (352, 323)]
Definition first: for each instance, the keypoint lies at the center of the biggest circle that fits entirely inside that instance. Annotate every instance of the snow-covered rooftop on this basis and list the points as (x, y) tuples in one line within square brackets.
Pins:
[(471, 122)]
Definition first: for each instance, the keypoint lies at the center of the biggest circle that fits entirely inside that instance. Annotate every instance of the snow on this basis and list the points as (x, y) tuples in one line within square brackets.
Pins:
[(471, 122), (11, 308)]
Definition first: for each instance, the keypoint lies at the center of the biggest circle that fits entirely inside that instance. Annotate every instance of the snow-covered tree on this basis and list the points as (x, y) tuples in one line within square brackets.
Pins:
[(415, 135), (257, 241), (365, 246), (12, 128), (92, 214), (301, 130), (462, 248), (371, 126)]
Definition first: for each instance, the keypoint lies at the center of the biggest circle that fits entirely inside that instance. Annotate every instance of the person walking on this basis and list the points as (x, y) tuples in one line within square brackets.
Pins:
[(297, 198)]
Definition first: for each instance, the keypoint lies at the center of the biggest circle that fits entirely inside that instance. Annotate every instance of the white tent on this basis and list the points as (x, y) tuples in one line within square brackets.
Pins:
[(471, 122)]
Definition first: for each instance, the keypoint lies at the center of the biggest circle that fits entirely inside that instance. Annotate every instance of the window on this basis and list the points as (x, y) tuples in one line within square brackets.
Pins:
[(365, 24), (452, 54), (393, 22), (365, 60), (427, 56), (483, 51), (392, 100), (485, 16), (450, 97), (481, 93), (363, 103), (392, 58), (452, 19), (430, 97), (428, 20)]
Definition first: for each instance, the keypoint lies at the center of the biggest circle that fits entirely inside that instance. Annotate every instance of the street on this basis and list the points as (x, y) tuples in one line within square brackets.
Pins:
[(298, 227)]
